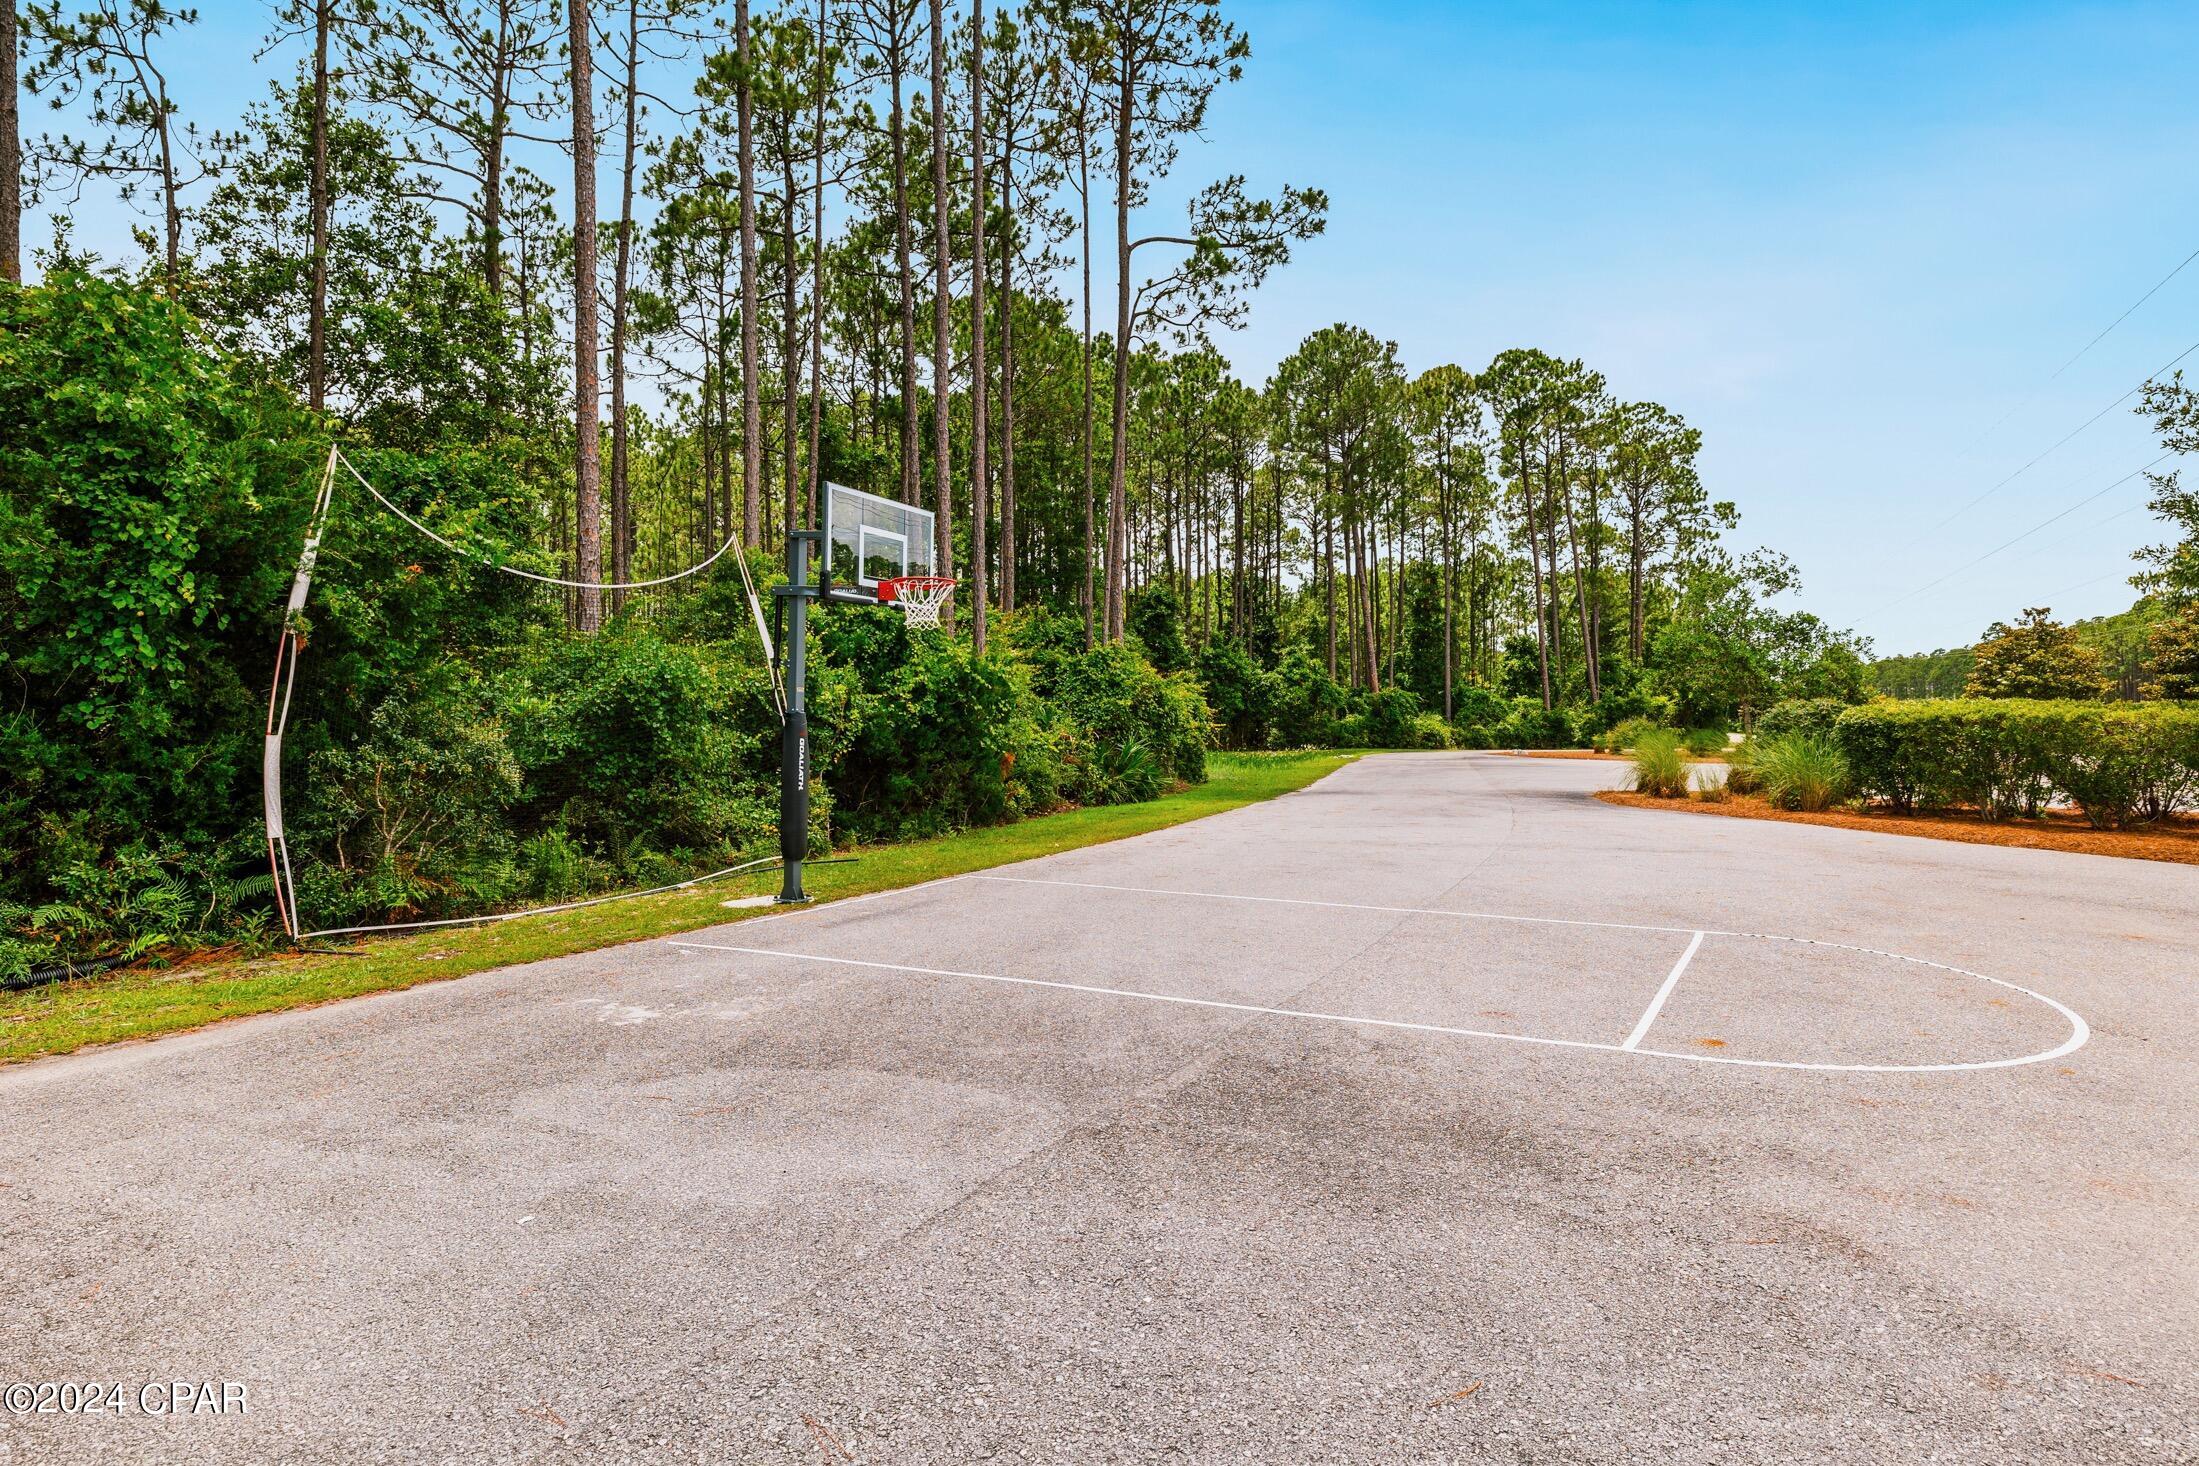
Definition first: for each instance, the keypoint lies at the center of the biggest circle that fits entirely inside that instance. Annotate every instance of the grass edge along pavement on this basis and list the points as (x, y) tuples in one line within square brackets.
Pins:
[(2177, 844), (141, 1003)]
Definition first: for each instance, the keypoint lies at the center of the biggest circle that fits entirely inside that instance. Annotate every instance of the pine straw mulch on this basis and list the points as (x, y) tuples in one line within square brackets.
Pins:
[(2175, 839), (1597, 753)]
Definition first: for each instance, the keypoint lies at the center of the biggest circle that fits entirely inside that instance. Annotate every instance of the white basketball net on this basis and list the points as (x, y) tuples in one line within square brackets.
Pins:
[(920, 597)]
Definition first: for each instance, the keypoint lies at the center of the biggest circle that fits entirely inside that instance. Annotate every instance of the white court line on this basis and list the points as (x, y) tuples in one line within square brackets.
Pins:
[(1656, 1004), (2079, 1033), (1081, 987), (1621, 926)]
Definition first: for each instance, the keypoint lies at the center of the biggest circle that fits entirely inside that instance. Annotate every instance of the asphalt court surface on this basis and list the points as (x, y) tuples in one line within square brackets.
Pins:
[(1435, 1112), (1740, 998)]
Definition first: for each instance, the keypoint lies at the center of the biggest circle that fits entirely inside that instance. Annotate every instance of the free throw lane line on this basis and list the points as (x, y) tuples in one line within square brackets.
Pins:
[(1656, 1004), (2079, 1033), (1083, 987)]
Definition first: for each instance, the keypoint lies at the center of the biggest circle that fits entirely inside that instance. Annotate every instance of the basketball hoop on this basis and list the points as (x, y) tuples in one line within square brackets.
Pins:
[(920, 597)]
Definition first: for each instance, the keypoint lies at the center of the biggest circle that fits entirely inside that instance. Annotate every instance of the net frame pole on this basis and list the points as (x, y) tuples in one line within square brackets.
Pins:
[(794, 738)]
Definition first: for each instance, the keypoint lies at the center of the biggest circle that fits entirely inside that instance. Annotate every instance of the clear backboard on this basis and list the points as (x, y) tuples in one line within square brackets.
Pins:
[(869, 538)]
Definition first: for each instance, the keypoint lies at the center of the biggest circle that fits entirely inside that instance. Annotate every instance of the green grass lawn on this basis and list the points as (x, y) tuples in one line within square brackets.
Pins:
[(143, 1003)]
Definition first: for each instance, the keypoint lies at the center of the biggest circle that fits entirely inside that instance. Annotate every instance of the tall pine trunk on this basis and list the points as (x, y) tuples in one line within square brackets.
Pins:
[(1008, 248), (752, 416), (1084, 425), (316, 372), (897, 136), (979, 488), (823, 82), (1118, 545), (1534, 560), (622, 502), (942, 310), (11, 146), (587, 450), (790, 339)]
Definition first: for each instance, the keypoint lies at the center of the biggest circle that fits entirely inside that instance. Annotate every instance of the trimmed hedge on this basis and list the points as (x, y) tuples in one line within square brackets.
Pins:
[(2121, 763), (1814, 716)]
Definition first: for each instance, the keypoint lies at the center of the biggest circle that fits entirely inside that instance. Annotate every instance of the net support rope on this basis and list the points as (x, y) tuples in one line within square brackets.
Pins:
[(290, 642)]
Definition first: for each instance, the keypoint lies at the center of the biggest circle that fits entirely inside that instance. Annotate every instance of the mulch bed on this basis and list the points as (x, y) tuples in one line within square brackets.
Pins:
[(2175, 839), (1693, 758)]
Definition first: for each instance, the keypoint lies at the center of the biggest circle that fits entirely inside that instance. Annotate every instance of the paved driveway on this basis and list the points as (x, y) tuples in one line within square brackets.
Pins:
[(1434, 1113)]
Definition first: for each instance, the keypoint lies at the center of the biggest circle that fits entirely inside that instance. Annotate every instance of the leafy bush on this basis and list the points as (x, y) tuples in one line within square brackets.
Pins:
[(1307, 703), (1813, 715), (1660, 767), (931, 750), (1430, 731), (1621, 736), (1904, 753), (1474, 705), (1531, 725), (1701, 741), (1387, 720), (141, 478), (1238, 693), (625, 733), (1802, 772), (1115, 697), (1155, 617), (1627, 698), (2121, 764)]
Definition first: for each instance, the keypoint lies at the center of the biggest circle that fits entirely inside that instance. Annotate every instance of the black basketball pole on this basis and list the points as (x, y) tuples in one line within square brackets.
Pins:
[(794, 746)]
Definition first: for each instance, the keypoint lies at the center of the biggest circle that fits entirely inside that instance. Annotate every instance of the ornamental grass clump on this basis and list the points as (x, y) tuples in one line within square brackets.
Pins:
[(1742, 775), (1660, 766), (1801, 772)]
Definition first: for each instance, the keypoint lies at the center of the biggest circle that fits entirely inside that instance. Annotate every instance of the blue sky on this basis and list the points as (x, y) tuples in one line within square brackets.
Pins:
[(1846, 241), (1851, 243)]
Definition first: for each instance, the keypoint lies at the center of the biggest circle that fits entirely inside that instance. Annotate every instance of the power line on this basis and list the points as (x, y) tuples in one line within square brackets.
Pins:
[(2111, 325), (2065, 366), (2088, 422), (2019, 539), (2084, 584)]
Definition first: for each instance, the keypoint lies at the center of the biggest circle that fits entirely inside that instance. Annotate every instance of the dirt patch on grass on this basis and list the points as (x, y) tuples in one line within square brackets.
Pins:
[(2175, 840)]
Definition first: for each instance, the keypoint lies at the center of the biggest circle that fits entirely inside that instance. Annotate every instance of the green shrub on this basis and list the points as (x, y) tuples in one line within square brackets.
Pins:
[(1903, 753), (1660, 767), (1474, 705), (1430, 731), (1114, 697), (930, 751), (1812, 715), (1802, 772), (1702, 741), (2121, 764), (2007, 756), (1155, 617), (1387, 720), (1621, 736), (1531, 725), (414, 820), (1626, 698), (1306, 703), (624, 734), (1238, 694)]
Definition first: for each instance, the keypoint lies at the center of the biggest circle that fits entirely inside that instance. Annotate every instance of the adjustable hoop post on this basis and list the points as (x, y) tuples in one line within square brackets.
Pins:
[(794, 740)]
